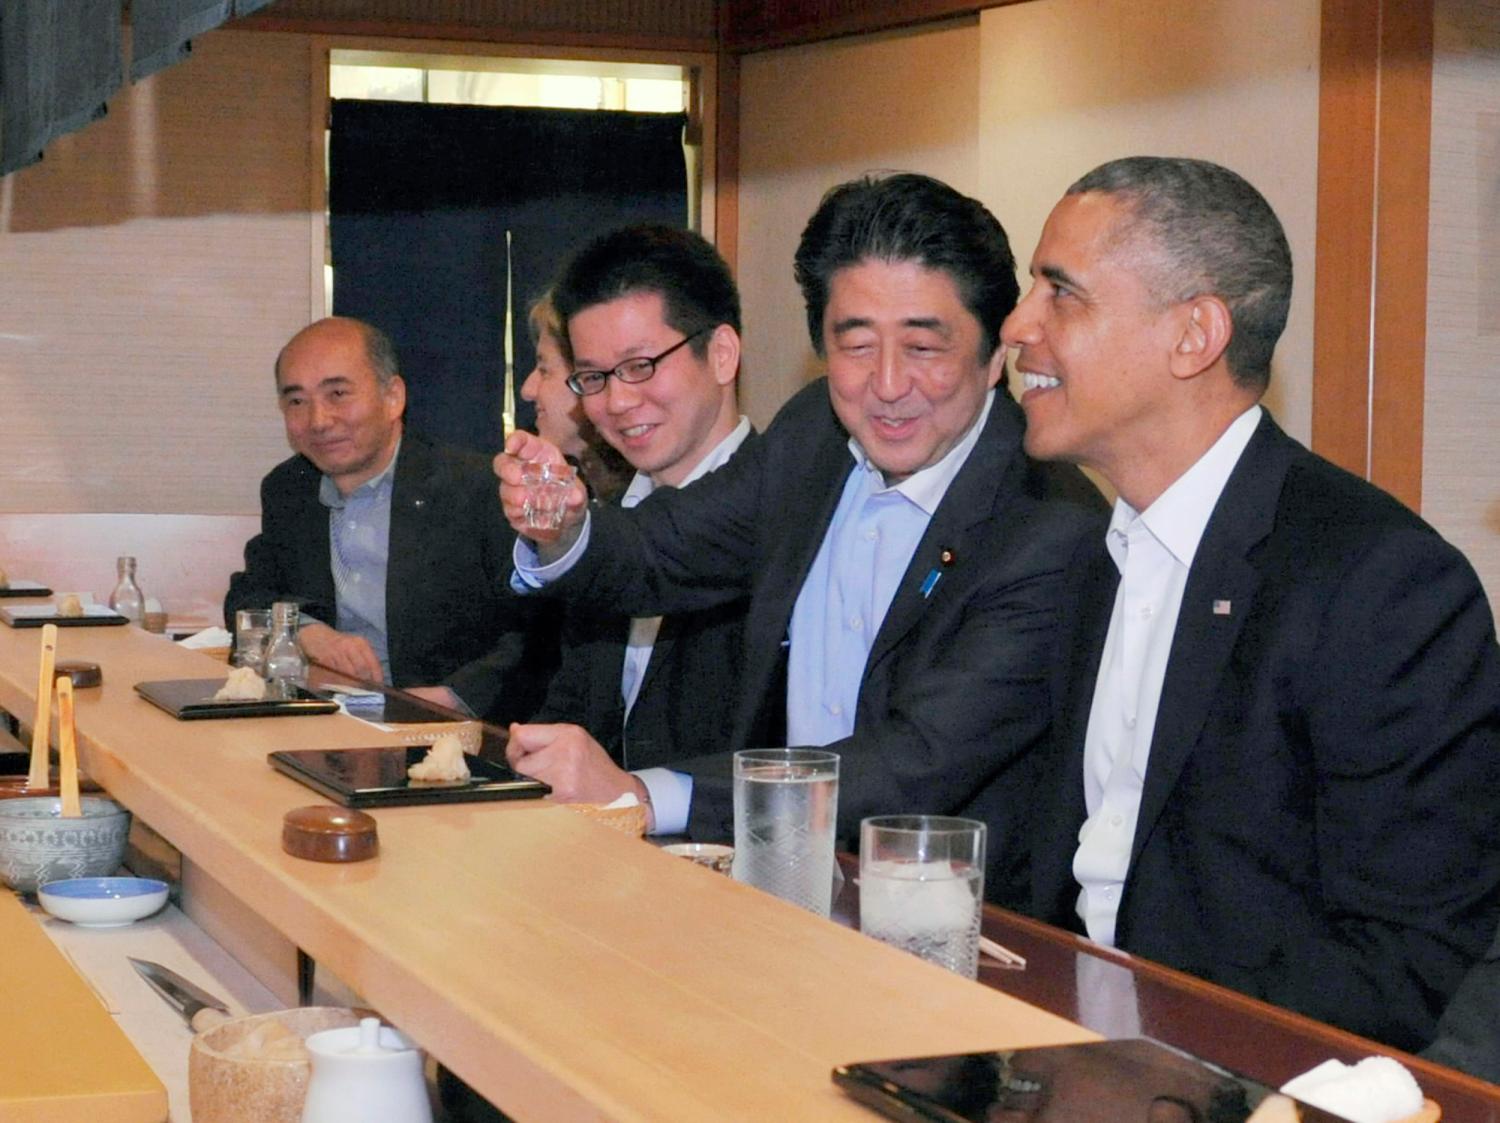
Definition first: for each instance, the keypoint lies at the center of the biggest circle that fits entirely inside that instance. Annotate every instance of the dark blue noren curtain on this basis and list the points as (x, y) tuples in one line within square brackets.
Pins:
[(59, 63), (420, 199), (160, 30)]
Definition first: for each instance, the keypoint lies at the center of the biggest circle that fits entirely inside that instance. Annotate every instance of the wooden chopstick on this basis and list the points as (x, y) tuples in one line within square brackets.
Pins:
[(1001, 953), (41, 729), (67, 751)]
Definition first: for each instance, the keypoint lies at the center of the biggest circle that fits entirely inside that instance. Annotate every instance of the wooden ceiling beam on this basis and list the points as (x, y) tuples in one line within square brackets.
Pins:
[(747, 26)]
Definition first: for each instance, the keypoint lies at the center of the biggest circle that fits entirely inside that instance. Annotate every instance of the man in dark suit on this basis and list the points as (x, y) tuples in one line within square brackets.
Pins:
[(901, 554), (386, 540), (651, 690), (1278, 731)]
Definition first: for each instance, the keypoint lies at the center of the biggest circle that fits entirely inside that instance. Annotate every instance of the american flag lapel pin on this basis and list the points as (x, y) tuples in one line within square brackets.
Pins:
[(1222, 608)]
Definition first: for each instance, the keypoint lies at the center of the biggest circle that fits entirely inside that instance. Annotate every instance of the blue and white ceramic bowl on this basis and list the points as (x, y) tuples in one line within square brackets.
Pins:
[(103, 902), (38, 845)]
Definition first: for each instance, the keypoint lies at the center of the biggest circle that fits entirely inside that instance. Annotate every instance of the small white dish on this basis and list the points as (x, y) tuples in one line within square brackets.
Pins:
[(103, 902)]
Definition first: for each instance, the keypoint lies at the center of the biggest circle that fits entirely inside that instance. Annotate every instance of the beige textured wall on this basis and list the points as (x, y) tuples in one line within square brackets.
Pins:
[(1460, 466), (811, 117), (150, 267), (1068, 84), (152, 264)]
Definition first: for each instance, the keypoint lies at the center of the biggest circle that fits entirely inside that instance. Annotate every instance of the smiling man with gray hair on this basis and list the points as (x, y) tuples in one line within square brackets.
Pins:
[(1278, 737)]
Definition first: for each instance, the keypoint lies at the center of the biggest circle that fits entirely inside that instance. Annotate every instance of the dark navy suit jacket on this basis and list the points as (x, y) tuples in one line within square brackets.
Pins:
[(1319, 822)]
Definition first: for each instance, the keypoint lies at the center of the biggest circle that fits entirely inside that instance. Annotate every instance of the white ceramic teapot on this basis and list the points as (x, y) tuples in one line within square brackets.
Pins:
[(363, 1073)]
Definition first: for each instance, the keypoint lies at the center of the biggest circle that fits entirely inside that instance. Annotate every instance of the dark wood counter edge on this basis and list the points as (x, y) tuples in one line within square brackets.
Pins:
[(1445, 1085), (999, 922)]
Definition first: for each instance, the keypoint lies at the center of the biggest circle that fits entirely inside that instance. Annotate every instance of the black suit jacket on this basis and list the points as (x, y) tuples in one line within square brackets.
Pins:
[(685, 704), (1318, 825), (954, 698), (450, 617)]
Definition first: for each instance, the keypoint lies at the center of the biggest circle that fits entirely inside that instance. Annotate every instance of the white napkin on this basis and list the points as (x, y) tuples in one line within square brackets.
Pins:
[(1376, 1090), (621, 802), (208, 637)]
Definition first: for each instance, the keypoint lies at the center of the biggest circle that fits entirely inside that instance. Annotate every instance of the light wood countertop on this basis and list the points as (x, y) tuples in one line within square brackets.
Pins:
[(563, 970), (65, 1059)]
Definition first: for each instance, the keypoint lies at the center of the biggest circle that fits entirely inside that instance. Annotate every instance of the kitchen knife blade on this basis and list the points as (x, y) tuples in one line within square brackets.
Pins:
[(198, 1008)]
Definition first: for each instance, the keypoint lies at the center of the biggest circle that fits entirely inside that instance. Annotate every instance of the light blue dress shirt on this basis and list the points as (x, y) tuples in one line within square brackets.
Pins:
[(844, 599), (359, 538)]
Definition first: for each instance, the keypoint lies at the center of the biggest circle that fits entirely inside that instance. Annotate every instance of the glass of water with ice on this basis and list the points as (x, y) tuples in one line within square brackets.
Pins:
[(785, 805), (921, 881), (252, 631)]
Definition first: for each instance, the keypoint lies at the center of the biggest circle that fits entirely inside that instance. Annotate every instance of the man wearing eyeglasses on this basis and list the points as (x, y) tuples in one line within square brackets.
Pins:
[(901, 554), (653, 320)]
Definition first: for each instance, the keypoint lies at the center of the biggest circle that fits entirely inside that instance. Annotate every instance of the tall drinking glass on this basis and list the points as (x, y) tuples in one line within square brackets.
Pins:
[(785, 805), (921, 881), (252, 630)]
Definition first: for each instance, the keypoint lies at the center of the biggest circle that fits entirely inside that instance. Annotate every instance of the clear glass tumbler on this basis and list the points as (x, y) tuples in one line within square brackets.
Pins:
[(547, 489), (252, 631), (785, 806), (921, 882)]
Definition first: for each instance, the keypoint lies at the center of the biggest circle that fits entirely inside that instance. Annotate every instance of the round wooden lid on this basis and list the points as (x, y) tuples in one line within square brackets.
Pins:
[(324, 833)]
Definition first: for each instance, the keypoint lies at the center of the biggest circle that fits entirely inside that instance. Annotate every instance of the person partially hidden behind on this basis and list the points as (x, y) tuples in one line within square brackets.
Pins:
[(653, 320), (1277, 741), (387, 541), (560, 418), (901, 555)]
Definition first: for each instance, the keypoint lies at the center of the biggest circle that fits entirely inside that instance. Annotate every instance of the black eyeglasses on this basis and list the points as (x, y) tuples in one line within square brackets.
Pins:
[(585, 382)]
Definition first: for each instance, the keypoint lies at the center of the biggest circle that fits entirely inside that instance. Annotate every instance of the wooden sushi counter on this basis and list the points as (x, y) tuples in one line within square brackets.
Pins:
[(65, 1060), (562, 969)]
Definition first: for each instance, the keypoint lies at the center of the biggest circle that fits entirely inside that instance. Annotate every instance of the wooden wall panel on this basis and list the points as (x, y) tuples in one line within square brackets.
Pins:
[(1068, 84), (1461, 417), (817, 115), (727, 151), (1373, 167)]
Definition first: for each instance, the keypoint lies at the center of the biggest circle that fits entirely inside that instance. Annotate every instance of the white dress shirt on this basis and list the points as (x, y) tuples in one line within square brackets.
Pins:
[(1154, 551), (643, 629)]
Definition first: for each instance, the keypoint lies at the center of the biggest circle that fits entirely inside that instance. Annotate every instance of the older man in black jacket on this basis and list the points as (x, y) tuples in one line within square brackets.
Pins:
[(388, 541)]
